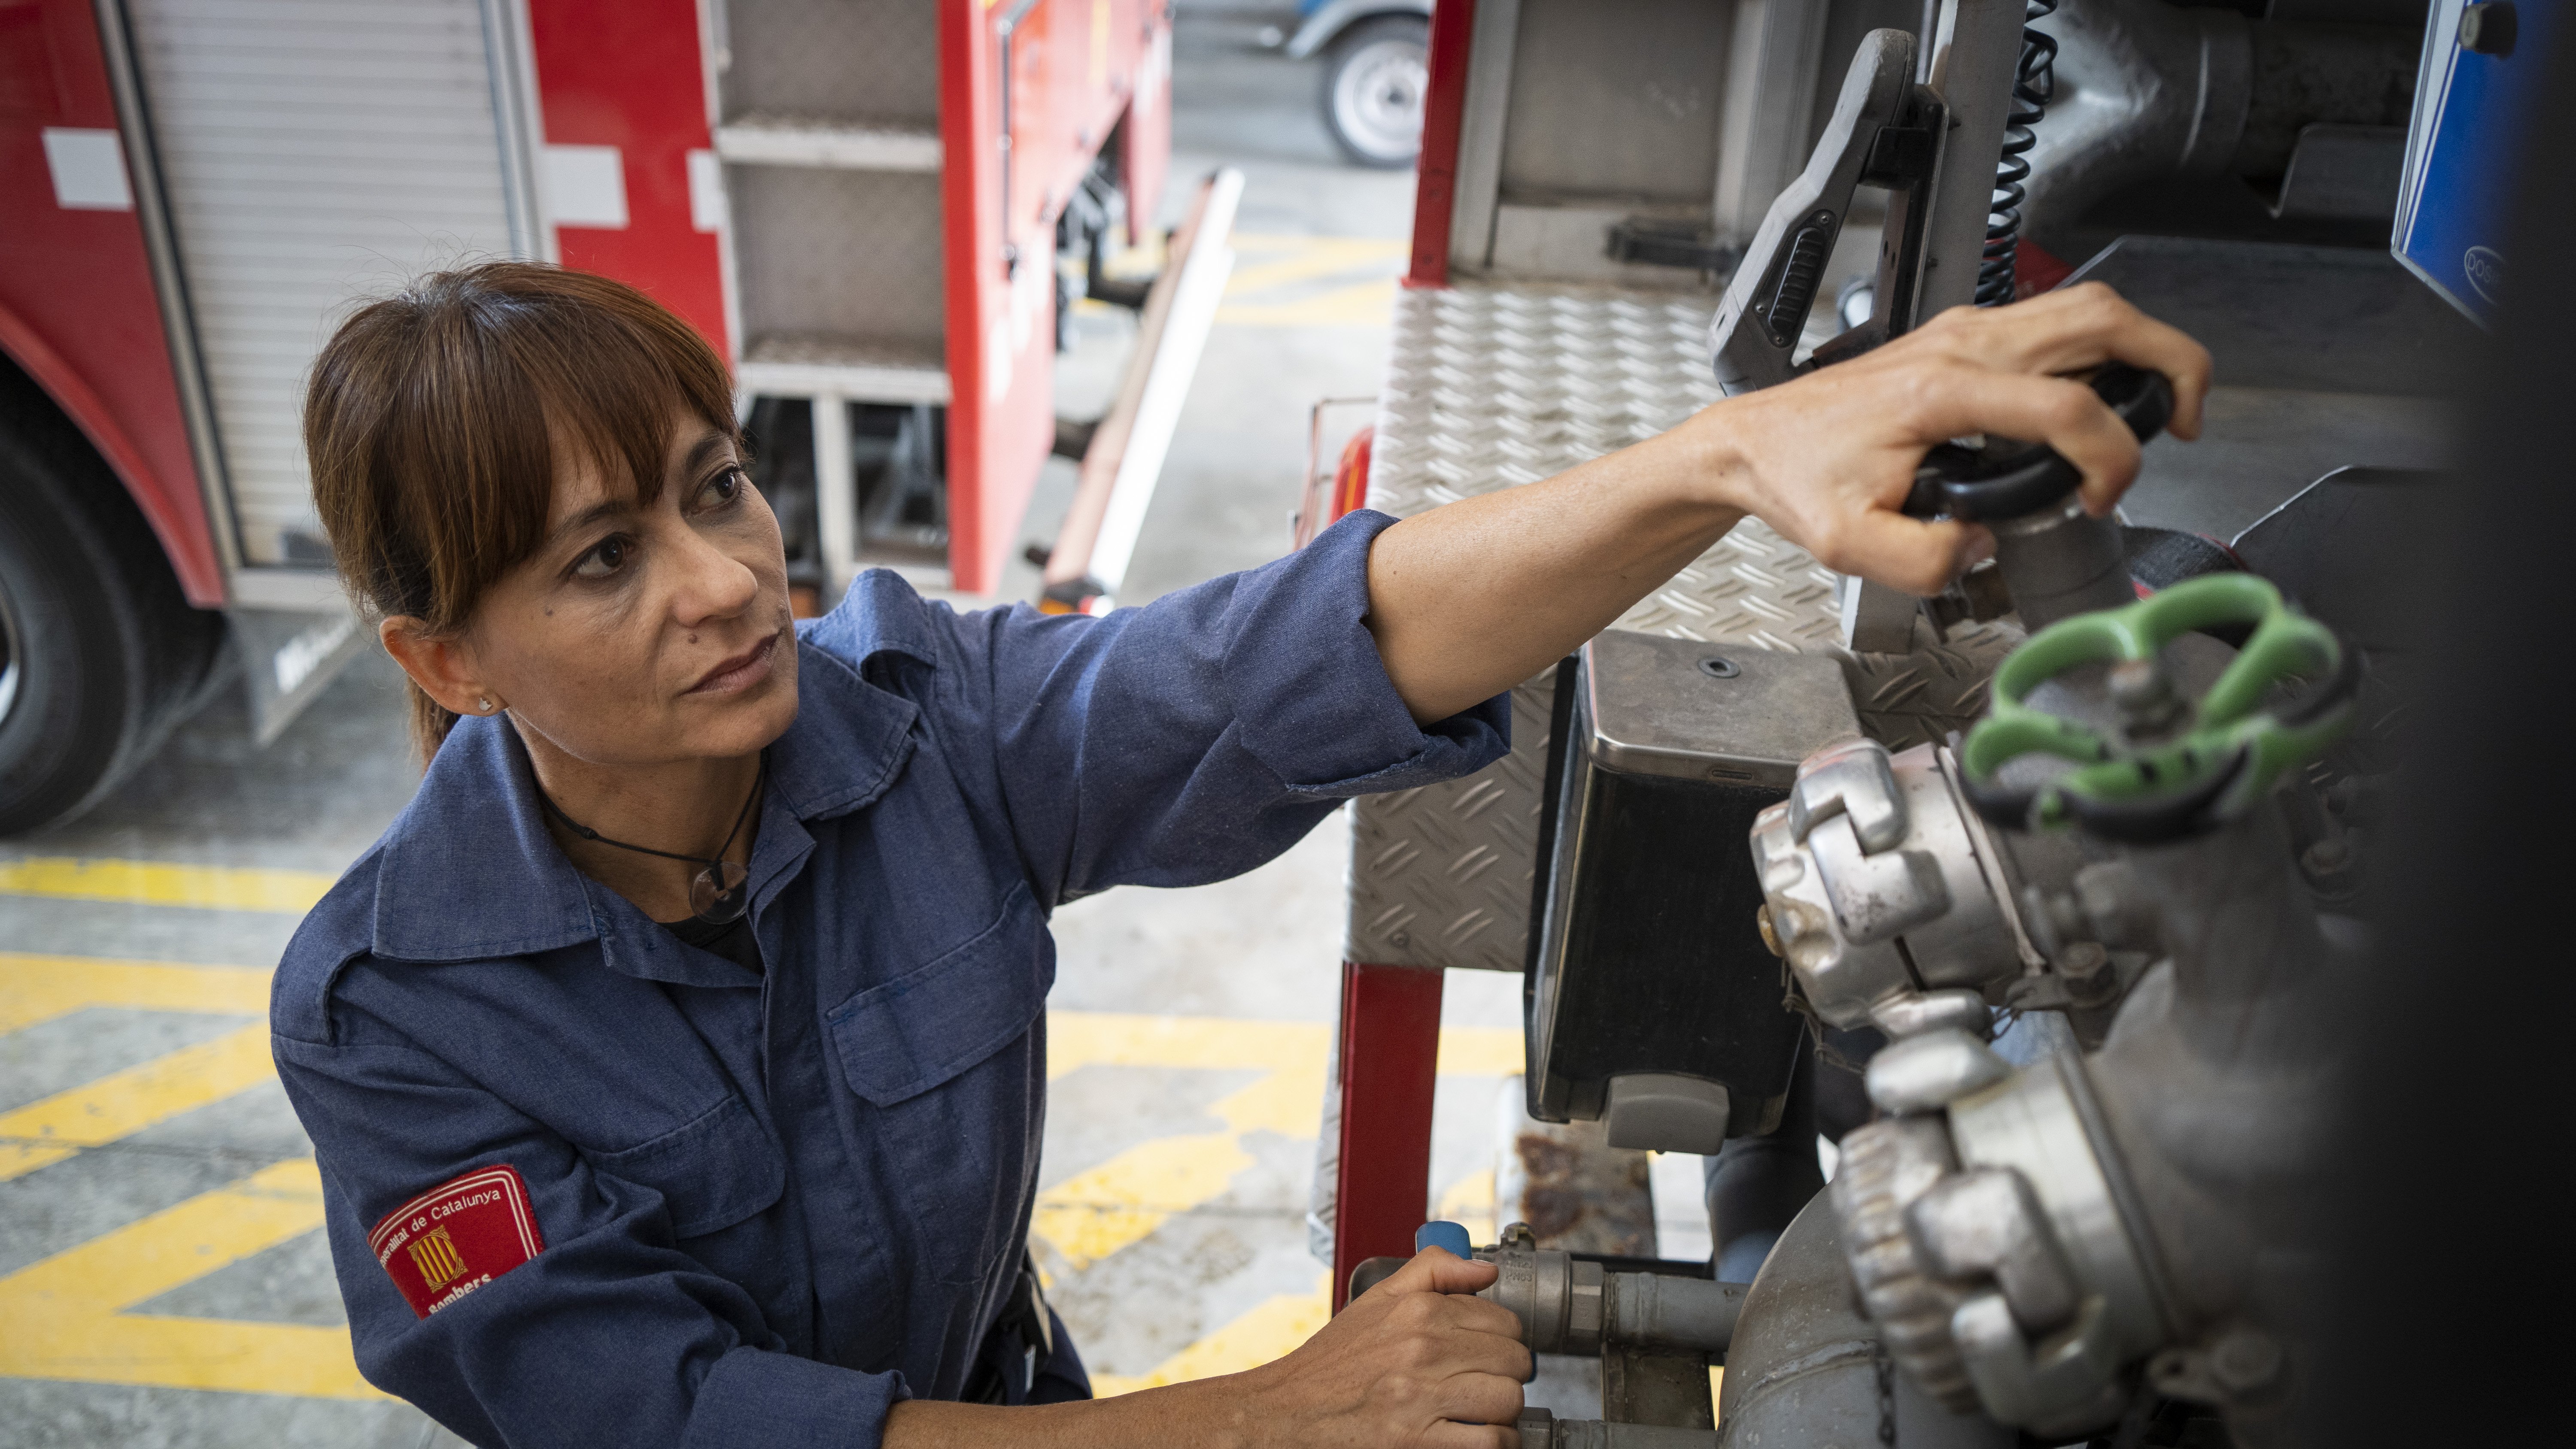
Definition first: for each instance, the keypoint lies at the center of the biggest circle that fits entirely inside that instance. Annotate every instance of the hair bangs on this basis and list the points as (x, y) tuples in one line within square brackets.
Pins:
[(436, 422)]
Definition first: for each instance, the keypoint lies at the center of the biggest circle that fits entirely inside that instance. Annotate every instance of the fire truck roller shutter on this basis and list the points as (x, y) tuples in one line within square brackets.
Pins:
[(100, 655), (312, 156)]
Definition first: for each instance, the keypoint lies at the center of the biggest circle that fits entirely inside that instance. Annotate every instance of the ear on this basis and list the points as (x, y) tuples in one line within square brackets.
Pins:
[(438, 665)]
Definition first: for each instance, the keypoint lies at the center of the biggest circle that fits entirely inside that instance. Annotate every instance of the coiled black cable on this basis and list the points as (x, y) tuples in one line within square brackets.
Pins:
[(2034, 85)]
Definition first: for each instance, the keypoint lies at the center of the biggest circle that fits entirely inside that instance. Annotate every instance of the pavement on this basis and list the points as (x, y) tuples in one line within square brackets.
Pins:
[(163, 1280)]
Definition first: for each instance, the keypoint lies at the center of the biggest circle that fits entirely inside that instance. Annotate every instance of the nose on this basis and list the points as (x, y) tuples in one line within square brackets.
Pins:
[(711, 584)]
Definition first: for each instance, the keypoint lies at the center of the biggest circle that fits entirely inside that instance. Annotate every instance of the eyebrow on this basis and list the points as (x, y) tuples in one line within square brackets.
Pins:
[(605, 508), (705, 448)]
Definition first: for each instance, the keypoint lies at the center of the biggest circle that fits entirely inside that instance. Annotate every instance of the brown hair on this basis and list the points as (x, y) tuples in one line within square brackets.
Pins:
[(432, 419)]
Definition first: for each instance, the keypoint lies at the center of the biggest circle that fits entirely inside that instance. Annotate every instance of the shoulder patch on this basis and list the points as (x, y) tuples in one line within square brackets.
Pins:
[(457, 1236)]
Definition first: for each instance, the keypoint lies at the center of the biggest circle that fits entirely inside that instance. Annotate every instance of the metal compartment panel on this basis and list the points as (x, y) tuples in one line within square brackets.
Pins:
[(313, 152), (875, 62), (854, 255)]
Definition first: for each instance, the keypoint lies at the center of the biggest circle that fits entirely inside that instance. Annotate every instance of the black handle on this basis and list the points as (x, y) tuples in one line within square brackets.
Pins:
[(1979, 485)]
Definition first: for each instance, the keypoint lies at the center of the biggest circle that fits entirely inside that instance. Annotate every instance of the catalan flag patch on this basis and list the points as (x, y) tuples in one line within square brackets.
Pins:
[(457, 1236)]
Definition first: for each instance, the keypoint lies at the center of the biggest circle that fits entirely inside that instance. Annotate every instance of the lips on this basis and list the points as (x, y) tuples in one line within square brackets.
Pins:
[(742, 671)]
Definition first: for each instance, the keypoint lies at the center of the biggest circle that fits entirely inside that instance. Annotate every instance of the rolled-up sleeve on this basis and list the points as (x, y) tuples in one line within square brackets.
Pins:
[(608, 1336), (1200, 735)]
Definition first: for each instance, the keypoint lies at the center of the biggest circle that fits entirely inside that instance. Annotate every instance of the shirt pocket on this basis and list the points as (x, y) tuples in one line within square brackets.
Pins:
[(948, 1058), (927, 1027), (712, 1171)]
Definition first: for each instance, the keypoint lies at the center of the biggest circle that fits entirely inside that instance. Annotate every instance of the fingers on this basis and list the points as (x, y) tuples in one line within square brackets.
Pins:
[(2065, 414), (2079, 327), (1480, 1352), (1437, 1270), (1471, 1436), (1904, 553), (1441, 1315), (1479, 1399), (1479, 1315)]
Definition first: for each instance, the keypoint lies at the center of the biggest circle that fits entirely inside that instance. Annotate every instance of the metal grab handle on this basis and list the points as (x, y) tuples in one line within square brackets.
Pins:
[(1764, 312), (1983, 485)]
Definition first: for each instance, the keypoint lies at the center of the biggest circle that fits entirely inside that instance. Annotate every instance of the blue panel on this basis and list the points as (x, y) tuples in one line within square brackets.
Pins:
[(2472, 120)]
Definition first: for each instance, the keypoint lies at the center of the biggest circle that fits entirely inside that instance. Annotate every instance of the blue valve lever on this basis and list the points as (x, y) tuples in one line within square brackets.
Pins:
[(1451, 1236)]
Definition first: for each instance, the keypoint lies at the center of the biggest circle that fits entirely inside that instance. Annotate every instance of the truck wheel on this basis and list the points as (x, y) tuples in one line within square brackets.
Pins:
[(100, 655), (1374, 79)]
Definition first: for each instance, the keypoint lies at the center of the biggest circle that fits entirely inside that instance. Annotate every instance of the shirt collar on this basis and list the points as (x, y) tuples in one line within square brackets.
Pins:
[(469, 873)]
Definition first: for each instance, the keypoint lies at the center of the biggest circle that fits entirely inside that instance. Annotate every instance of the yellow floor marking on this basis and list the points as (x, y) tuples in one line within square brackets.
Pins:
[(1366, 304), (1285, 240), (60, 1318), (36, 989), (1077, 1039), (1482, 1051), (1102, 1209), (1253, 293), (39, 988), (1119, 1202), (158, 883), (124, 1103), (1271, 1329), (1324, 257)]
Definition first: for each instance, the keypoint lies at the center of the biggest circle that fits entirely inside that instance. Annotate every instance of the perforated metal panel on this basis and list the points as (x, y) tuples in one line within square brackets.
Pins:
[(876, 61), (842, 254), (1491, 386), (313, 152)]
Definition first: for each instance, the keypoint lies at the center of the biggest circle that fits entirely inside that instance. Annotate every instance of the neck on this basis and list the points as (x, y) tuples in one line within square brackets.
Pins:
[(685, 807)]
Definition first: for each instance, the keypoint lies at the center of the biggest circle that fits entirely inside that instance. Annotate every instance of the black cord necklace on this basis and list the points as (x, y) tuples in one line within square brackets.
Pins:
[(716, 892)]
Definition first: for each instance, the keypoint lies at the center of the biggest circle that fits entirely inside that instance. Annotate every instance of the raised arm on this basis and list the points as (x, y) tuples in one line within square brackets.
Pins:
[(1468, 600)]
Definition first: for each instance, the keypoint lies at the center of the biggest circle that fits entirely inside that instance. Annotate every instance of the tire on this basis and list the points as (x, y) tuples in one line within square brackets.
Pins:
[(100, 655), (1375, 75)]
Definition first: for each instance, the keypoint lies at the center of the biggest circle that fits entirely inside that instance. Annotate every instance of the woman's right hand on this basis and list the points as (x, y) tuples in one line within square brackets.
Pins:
[(1415, 1360)]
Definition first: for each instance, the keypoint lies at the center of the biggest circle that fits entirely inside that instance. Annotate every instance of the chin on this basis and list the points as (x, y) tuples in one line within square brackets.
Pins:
[(765, 716), (753, 719)]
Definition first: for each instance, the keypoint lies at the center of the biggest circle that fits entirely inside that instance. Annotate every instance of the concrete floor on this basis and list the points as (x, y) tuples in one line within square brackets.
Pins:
[(162, 1280)]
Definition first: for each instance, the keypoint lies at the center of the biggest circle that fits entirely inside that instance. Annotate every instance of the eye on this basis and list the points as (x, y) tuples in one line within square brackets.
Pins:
[(724, 488), (605, 557)]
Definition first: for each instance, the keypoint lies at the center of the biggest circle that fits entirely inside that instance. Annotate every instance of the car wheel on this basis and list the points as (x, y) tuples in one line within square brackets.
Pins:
[(100, 655), (1374, 79)]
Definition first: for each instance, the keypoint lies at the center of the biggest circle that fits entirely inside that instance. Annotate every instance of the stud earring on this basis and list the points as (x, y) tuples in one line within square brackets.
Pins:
[(487, 705)]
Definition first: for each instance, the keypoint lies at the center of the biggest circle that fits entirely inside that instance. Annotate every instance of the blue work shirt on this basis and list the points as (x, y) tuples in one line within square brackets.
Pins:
[(773, 1204)]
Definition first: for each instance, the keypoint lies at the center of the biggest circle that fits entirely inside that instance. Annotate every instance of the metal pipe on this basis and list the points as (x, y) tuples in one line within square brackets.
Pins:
[(1663, 1311), (2062, 561), (1810, 1370), (1594, 1434), (2239, 925)]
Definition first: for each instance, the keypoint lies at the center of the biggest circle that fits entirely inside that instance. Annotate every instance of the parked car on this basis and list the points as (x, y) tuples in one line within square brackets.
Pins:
[(1375, 72)]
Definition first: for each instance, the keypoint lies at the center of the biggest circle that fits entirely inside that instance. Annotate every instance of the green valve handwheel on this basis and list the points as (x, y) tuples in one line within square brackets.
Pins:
[(2179, 777)]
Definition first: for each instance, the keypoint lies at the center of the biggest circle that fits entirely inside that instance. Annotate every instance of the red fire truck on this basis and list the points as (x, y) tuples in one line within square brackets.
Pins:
[(866, 204)]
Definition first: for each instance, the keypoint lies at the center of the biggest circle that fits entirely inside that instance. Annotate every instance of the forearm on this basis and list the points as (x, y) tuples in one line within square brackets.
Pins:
[(1467, 600), (1196, 1414)]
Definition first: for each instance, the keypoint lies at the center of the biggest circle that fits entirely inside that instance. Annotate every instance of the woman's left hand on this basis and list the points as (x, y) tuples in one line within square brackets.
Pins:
[(1827, 460), (1468, 600)]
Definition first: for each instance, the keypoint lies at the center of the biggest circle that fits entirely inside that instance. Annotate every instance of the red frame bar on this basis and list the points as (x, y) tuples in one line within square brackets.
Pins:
[(1444, 107), (1390, 1053)]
